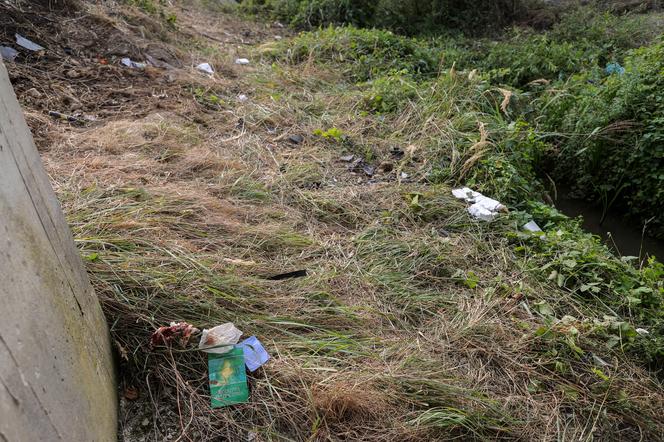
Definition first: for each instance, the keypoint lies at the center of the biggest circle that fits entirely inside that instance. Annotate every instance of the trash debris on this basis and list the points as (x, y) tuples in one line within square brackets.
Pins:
[(369, 170), (347, 158), (63, 117), (177, 330), (614, 68), (228, 378), (255, 354), (288, 275), (483, 208), (242, 98), (8, 53), (531, 226), (642, 331), (404, 176), (241, 61), (27, 44), (133, 64), (205, 67), (220, 339), (296, 139)]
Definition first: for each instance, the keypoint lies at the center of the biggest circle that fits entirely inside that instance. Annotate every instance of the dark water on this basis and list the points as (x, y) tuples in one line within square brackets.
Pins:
[(626, 238)]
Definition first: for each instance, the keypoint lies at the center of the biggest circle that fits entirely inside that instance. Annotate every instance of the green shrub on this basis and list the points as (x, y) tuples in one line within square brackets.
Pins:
[(364, 54), (409, 17), (578, 261), (613, 143)]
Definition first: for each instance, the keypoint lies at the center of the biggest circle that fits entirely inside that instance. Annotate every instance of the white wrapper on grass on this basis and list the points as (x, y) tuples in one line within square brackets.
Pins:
[(241, 61), (483, 207), (205, 67), (531, 226), (27, 44), (482, 213), (219, 339)]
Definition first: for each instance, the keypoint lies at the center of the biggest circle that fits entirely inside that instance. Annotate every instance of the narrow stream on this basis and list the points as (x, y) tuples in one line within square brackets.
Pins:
[(624, 237)]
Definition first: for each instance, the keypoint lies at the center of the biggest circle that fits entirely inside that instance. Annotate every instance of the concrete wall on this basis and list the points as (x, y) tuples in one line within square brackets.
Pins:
[(56, 375)]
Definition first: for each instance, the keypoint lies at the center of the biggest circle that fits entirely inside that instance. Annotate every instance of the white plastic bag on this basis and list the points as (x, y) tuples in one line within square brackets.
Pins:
[(219, 339)]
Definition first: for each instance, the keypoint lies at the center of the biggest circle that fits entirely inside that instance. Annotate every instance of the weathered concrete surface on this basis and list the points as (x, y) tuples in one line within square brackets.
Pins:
[(56, 376)]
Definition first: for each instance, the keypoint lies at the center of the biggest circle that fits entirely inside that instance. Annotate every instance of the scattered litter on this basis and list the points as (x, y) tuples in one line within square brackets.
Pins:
[(289, 275), (483, 208), (347, 158), (63, 117), (404, 176), (277, 37), (228, 378), (241, 61), (220, 339), (179, 330), (8, 53), (205, 67), (296, 139), (242, 98), (599, 361), (369, 170), (642, 331), (132, 64), (254, 353), (27, 44), (614, 68), (532, 226), (279, 24)]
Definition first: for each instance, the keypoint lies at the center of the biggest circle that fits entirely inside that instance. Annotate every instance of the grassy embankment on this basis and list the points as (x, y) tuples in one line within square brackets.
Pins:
[(415, 321)]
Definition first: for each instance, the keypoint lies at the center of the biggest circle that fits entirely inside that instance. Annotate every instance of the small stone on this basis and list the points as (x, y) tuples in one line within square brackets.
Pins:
[(72, 73), (34, 93), (296, 139)]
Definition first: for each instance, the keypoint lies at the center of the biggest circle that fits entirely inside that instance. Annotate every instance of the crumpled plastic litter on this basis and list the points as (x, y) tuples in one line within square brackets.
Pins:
[(133, 64), (8, 53), (483, 207), (255, 354), (531, 226), (219, 339), (177, 330), (241, 61), (242, 98), (27, 44), (614, 68), (205, 67)]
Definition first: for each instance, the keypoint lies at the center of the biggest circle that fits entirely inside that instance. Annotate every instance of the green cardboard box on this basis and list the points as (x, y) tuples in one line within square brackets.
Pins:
[(228, 379)]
